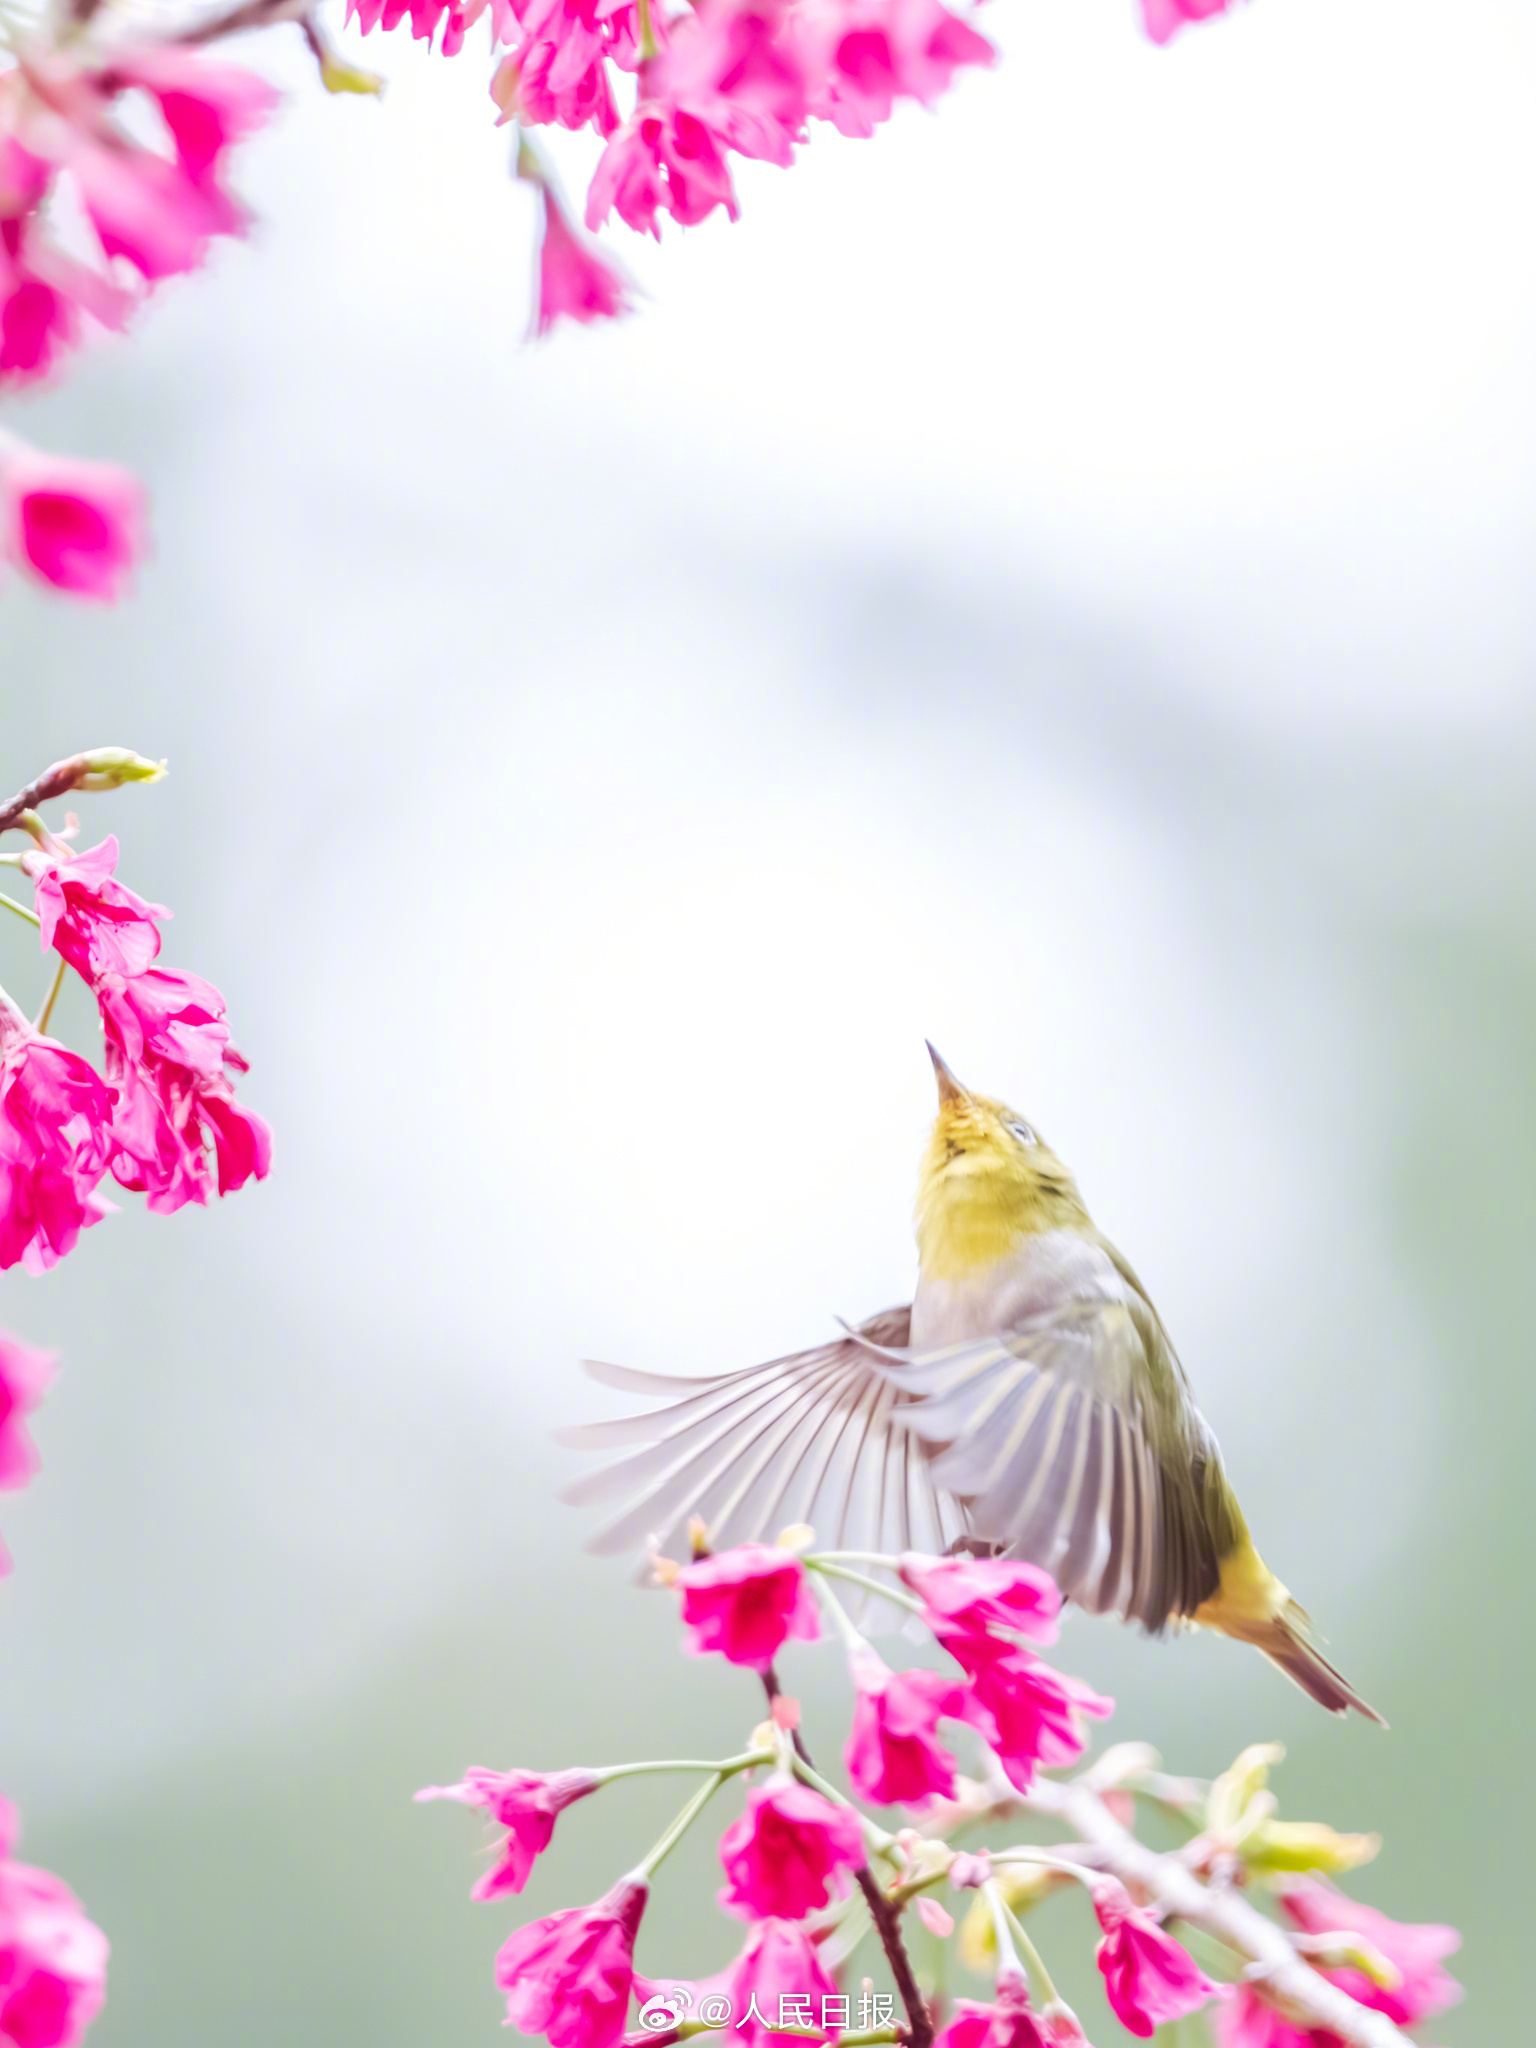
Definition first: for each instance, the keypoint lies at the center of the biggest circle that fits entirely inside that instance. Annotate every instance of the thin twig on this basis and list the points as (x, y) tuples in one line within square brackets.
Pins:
[(886, 1917), (45, 1014), (249, 14)]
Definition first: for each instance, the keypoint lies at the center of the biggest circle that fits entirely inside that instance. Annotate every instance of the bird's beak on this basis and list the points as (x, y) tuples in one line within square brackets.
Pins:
[(950, 1089)]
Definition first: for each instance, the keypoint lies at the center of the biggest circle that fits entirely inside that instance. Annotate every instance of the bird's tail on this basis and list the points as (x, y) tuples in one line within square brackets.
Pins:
[(1285, 1638), (1287, 1643), (1252, 1606)]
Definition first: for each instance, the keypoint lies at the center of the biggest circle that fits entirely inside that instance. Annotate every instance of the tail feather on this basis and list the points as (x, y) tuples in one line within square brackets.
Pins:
[(1285, 1643)]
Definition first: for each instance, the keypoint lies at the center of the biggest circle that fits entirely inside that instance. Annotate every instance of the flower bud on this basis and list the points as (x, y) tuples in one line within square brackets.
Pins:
[(111, 767), (1350, 1952), (1236, 1788), (1289, 1846), (970, 1870), (337, 75)]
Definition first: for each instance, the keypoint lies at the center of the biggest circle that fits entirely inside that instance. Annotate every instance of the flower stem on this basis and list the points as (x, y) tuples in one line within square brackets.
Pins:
[(838, 1612), (1082, 1872), (726, 1767), (46, 1012), (892, 1593), (879, 1557), (21, 910), (647, 1866), (648, 43), (58, 780), (1032, 1955), (1006, 1952), (885, 1916)]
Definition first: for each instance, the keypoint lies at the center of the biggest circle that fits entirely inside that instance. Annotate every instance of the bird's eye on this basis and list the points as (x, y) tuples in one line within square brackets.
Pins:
[(1023, 1133)]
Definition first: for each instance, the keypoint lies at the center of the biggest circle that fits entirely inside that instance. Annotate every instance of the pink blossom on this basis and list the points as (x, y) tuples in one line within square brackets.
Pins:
[(207, 106), (568, 1977), (740, 67), (576, 280), (522, 87), (23, 1375), (979, 1593), (789, 1852), (38, 322), (55, 1139), (1164, 18), (970, 1870), (746, 1604), (42, 295), (148, 211), (1010, 2023), (1036, 1711), (427, 16), (168, 1056), (936, 1918), (53, 1961), (525, 1803), (970, 2025), (98, 925), (621, 24), (1247, 2021), (1416, 1951), (76, 525), (156, 213), (870, 53), (1148, 1976), (1061, 2026), (779, 1961), (893, 1752), (557, 70), (662, 159)]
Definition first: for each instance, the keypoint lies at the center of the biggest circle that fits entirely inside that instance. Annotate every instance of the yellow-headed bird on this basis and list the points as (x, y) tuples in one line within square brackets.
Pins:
[(1028, 1402)]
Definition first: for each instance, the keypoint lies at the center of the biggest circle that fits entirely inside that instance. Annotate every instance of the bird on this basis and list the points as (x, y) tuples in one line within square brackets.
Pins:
[(1028, 1403)]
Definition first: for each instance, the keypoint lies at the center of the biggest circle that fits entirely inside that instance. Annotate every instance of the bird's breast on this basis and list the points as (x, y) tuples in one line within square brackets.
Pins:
[(1039, 1274)]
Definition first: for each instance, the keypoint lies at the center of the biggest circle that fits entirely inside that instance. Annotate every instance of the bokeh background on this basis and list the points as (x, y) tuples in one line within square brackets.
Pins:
[(1056, 580)]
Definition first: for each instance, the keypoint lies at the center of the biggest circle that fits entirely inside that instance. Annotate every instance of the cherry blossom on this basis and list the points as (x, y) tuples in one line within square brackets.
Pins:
[(746, 1603), (525, 1803), (568, 1976)]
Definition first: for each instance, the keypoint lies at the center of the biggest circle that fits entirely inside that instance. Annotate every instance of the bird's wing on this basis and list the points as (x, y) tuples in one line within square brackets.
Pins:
[(1070, 1440), (810, 1438)]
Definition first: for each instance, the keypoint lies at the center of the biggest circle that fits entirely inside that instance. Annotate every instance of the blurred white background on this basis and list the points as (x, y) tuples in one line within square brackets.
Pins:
[(1053, 579)]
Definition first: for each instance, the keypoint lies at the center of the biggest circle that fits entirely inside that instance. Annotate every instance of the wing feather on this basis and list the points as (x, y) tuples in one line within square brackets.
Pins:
[(812, 1437)]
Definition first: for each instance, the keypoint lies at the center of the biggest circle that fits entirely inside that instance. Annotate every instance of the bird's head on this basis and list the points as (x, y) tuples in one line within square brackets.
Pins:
[(987, 1179)]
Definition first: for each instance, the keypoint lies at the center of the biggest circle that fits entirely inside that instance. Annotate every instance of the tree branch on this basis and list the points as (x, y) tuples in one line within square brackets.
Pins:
[(249, 14), (1290, 1982), (58, 780), (885, 1915)]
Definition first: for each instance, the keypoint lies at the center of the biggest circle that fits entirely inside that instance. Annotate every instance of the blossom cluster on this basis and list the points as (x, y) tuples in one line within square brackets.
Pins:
[(68, 115), (703, 85), (724, 79), (813, 1872), (158, 1115)]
